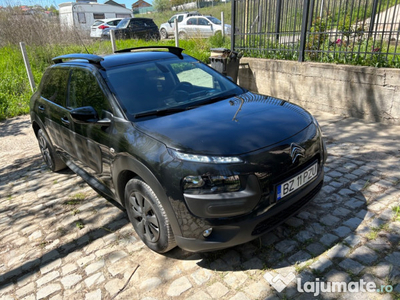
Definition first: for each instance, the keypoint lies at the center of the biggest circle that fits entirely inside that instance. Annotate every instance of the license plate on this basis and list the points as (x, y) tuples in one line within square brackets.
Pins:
[(297, 181)]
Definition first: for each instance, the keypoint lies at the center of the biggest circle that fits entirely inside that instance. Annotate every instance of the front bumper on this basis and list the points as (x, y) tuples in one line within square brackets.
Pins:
[(253, 225)]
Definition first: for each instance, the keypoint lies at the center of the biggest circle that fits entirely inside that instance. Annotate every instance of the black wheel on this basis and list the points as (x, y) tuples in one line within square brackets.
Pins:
[(163, 33), (52, 160), (148, 216)]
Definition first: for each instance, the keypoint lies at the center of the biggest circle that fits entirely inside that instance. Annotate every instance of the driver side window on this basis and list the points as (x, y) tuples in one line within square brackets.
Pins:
[(84, 90)]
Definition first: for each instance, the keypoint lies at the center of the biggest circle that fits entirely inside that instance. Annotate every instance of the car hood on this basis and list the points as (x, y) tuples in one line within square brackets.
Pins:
[(233, 126)]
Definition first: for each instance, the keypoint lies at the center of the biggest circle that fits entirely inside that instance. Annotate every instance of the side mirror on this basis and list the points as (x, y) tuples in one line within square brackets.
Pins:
[(83, 115), (88, 115)]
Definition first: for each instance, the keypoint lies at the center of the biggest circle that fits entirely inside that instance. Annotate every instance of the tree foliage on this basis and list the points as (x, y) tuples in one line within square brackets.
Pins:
[(161, 5)]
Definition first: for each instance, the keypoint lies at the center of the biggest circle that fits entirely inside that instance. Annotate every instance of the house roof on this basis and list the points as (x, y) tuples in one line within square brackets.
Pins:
[(141, 3), (111, 2)]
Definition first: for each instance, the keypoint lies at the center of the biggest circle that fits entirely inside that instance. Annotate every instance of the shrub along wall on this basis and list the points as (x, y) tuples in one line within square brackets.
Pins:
[(368, 93)]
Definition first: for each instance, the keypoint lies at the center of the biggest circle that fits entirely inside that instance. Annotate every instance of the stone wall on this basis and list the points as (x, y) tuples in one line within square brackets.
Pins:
[(364, 92)]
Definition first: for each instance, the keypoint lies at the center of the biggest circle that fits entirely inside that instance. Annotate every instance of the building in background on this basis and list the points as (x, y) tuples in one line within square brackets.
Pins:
[(81, 14)]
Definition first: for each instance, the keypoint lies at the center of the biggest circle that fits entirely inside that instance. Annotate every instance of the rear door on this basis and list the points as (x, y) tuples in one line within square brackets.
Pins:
[(52, 110)]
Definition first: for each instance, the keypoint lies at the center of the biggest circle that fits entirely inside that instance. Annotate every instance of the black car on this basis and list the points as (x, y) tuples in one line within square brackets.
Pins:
[(134, 28), (196, 160)]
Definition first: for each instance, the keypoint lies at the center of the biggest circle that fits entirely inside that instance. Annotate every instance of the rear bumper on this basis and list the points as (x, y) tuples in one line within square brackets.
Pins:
[(253, 226)]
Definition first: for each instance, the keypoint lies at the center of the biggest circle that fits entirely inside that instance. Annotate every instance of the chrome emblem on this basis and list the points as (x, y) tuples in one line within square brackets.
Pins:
[(296, 151)]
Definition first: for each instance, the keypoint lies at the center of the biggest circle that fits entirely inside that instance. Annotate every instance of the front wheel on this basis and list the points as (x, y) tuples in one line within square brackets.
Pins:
[(148, 216), (52, 160)]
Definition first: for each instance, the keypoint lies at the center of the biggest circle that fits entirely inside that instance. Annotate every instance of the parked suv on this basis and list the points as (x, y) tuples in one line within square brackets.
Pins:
[(167, 29), (196, 160), (134, 28)]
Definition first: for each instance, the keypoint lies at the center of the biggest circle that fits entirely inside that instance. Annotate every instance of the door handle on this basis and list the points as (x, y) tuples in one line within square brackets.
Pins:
[(41, 108), (65, 121)]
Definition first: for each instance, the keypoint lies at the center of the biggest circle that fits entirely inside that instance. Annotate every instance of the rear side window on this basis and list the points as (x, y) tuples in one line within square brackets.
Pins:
[(54, 85)]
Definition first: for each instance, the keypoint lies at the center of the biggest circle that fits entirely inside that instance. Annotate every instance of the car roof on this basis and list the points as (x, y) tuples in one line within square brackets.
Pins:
[(124, 57)]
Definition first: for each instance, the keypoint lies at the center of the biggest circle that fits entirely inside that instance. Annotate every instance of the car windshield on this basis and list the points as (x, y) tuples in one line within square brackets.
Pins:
[(123, 23), (168, 85), (214, 20)]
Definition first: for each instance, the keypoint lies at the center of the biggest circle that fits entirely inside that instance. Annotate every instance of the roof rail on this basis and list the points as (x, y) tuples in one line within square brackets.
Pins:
[(174, 50), (92, 58)]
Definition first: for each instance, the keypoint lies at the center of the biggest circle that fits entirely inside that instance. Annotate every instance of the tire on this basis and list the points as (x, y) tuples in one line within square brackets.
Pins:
[(182, 35), (50, 157), (148, 216), (163, 33)]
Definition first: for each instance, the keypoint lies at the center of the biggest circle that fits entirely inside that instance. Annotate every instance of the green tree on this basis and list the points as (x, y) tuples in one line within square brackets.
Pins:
[(161, 5)]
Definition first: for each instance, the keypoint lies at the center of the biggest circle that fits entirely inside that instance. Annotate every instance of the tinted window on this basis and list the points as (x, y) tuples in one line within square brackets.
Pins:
[(84, 90), (54, 85)]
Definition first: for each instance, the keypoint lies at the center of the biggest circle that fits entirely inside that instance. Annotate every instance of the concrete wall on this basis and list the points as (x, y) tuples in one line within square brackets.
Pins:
[(364, 92)]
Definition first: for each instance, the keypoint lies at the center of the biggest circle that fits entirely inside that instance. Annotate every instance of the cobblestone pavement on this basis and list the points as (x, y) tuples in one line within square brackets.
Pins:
[(60, 240)]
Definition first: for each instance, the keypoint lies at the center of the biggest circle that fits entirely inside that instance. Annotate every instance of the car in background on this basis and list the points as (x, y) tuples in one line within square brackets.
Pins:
[(134, 28), (167, 29), (196, 160), (201, 27), (101, 24)]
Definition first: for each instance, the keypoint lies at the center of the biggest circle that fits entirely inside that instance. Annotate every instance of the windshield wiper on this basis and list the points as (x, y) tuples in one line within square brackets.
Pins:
[(218, 98), (161, 112)]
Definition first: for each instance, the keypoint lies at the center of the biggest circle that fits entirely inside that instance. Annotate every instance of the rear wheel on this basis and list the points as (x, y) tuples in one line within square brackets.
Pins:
[(163, 33), (52, 160), (182, 35), (148, 216)]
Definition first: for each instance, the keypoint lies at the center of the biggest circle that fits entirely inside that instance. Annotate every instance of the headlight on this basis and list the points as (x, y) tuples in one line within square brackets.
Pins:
[(207, 159), (208, 184)]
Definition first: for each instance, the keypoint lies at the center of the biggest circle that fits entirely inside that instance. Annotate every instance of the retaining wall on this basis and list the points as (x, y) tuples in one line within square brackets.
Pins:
[(368, 93)]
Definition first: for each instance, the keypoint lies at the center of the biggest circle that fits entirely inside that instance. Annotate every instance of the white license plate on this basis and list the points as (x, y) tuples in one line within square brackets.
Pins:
[(297, 181)]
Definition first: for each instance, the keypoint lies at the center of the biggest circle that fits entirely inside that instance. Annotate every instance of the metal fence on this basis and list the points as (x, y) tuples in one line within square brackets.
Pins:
[(343, 31)]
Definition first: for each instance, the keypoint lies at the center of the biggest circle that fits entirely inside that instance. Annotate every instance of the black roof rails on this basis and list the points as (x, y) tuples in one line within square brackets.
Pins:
[(92, 58), (174, 50)]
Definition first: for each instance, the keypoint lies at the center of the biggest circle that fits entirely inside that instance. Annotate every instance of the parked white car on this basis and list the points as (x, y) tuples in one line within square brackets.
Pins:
[(101, 24), (167, 29), (201, 27)]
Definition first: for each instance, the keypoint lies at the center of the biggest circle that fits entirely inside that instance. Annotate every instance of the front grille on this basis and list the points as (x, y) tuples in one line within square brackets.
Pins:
[(283, 215)]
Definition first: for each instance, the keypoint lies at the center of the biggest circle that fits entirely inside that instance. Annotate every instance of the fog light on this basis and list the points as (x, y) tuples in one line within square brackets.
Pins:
[(207, 232)]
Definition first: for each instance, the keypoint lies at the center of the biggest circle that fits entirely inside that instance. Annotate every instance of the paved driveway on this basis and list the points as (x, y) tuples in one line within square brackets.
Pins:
[(60, 240)]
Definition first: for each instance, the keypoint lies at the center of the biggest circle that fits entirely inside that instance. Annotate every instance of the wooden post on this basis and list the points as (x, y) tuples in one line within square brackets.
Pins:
[(113, 44), (176, 32), (223, 24), (27, 66)]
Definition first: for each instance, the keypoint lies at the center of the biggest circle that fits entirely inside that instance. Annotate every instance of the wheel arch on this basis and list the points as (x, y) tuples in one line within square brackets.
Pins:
[(125, 168)]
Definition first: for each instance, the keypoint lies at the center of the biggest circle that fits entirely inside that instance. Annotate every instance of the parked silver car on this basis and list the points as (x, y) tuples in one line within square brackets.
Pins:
[(167, 29), (201, 27), (101, 24)]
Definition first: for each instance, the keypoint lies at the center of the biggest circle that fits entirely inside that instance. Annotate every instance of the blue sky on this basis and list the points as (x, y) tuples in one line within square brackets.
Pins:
[(128, 3)]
